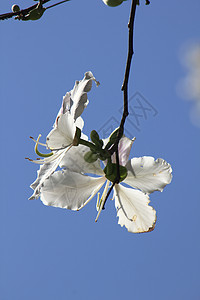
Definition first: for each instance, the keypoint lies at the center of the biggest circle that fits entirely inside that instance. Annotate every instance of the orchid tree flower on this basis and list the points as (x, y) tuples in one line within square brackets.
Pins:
[(72, 187), (65, 133)]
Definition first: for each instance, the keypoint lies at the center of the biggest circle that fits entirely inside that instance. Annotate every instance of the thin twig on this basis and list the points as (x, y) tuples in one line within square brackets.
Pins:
[(56, 4), (117, 162), (108, 194), (124, 88)]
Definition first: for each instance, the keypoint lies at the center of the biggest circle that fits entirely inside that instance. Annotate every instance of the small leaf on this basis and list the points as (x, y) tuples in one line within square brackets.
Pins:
[(95, 138)]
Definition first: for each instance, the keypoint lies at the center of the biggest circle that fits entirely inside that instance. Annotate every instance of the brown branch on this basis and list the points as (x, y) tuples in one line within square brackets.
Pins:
[(22, 12), (126, 75), (128, 63), (124, 88), (108, 194)]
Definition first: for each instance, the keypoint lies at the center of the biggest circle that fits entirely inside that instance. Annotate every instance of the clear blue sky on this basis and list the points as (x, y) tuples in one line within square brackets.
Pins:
[(51, 253)]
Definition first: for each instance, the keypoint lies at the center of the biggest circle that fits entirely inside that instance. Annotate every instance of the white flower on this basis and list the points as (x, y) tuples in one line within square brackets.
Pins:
[(71, 188), (61, 137)]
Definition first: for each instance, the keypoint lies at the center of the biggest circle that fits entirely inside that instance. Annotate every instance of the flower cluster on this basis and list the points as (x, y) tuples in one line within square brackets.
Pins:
[(72, 187)]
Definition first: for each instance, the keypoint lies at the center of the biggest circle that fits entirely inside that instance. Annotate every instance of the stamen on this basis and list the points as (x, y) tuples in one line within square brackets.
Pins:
[(42, 144), (102, 201), (113, 197), (51, 158), (98, 202), (38, 152), (28, 158), (64, 147)]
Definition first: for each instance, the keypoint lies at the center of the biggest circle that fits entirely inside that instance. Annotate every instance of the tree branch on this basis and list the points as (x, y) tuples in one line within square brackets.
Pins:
[(108, 194), (124, 88)]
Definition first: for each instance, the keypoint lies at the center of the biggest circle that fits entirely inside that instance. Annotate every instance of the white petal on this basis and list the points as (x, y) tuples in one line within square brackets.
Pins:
[(69, 190), (63, 134), (79, 123), (45, 171), (133, 210), (66, 104), (74, 161), (124, 147), (147, 174), (76, 100)]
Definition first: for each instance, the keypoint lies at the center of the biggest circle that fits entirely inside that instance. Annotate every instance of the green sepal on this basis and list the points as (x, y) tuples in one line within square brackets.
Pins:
[(95, 138), (111, 172), (90, 157), (101, 157), (109, 169), (113, 138), (103, 154), (77, 136)]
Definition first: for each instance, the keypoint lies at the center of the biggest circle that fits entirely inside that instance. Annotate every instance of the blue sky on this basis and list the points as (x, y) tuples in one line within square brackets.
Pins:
[(51, 253)]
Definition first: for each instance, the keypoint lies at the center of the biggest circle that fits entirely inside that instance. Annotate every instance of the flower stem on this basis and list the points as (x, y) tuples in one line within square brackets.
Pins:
[(124, 87), (87, 144)]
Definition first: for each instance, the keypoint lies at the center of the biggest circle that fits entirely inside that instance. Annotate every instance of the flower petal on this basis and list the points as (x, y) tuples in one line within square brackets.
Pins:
[(147, 174), (133, 210), (124, 147), (69, 190), (76, 100), (46, 170), (74, 161), (63, 134)]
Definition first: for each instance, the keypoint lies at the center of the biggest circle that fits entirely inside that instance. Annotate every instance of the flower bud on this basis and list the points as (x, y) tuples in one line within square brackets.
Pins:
[(95, 138), (15, 8), (113, 3), (111, 174), (90, 157)]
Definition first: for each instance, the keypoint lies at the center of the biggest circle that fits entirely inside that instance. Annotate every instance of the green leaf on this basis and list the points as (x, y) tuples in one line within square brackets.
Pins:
[(95, 138)]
